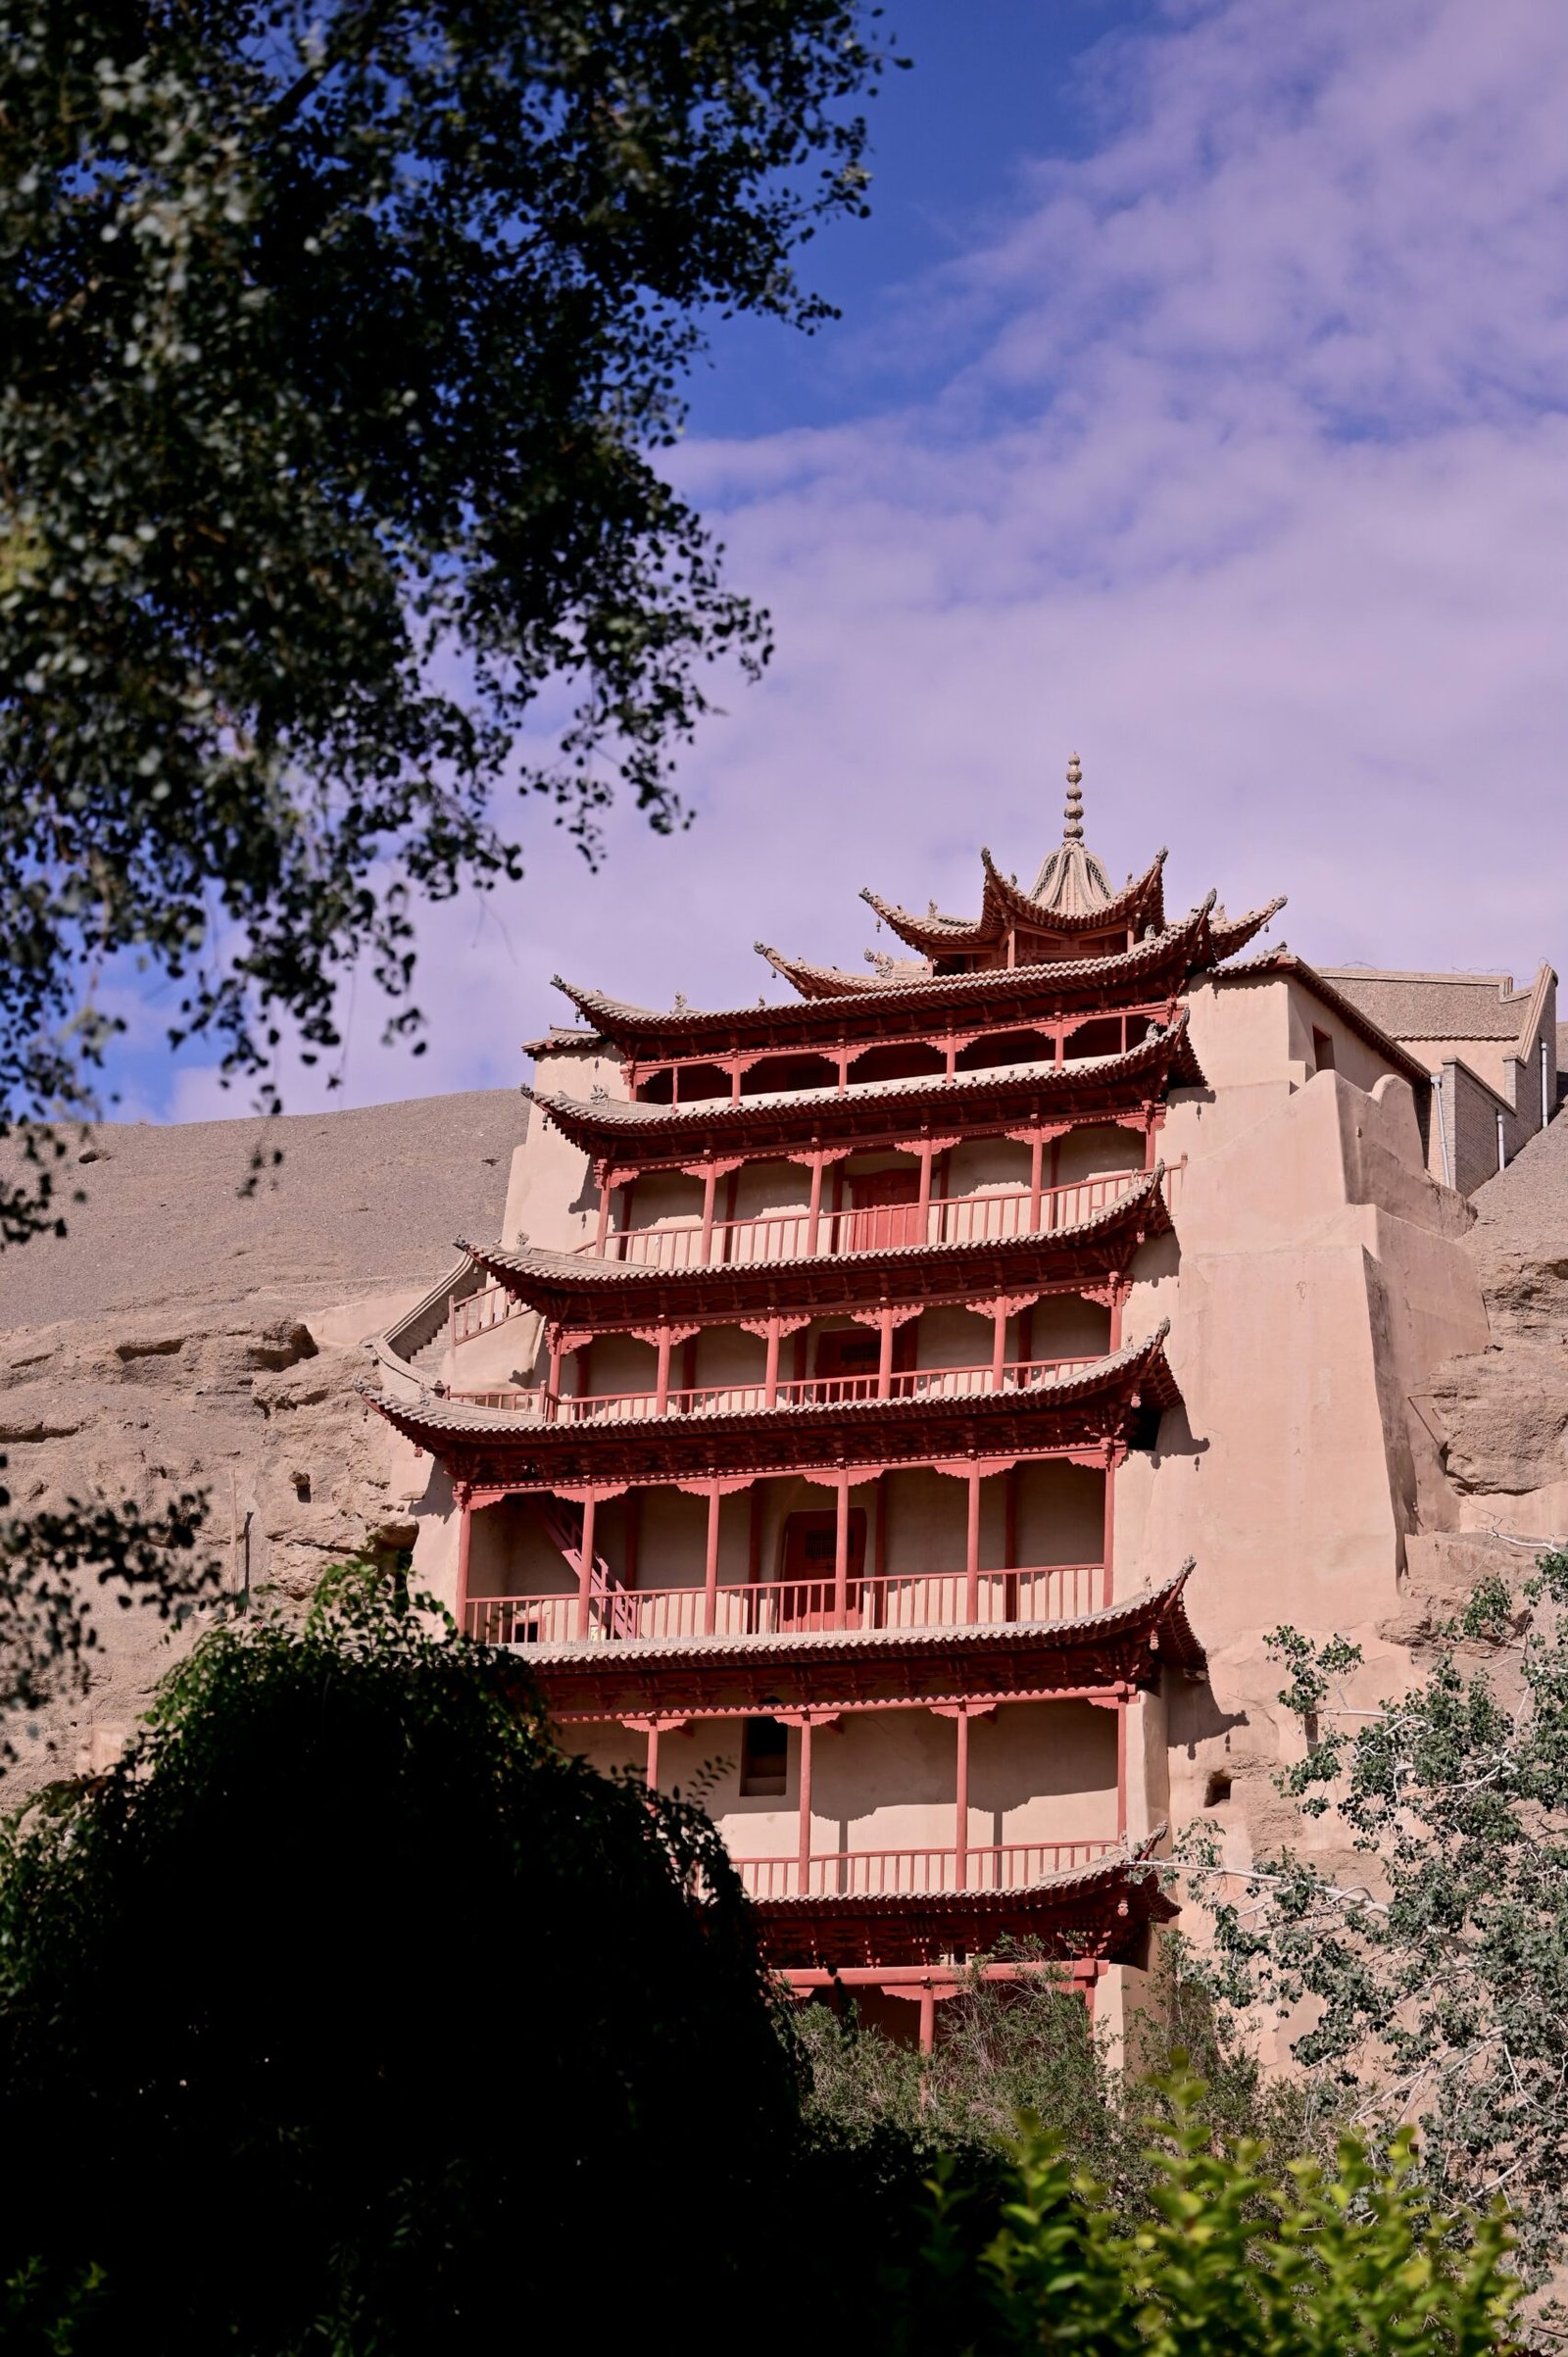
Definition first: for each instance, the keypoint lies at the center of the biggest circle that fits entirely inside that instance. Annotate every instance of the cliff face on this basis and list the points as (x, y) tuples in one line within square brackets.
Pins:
[(1499, 1415), (187, 1336)]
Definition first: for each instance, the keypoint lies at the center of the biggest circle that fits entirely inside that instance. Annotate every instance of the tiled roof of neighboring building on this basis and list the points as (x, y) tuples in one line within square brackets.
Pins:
[(1436, 1006)]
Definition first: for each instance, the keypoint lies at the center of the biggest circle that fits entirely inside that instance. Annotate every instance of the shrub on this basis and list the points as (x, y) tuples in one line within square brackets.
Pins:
[(346, 2013)]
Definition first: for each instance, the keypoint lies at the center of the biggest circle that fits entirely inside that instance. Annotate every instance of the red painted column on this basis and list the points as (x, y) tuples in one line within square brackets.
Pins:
[(884, 1363), (1115, 1317), (1037, 1155), (928, 2018), (1121, 1770), (662, 1379), (651, 1771), (840, 1555), (553, 1395), (961, 1867), (813, 1214), (999, 1345), (805, 1862), (710, 1186), (464, 1531), (711, 1568), (924, 1221), (971, 1560), (770, 1374), (1109, 1542), (604, 1215), (586, 1575)]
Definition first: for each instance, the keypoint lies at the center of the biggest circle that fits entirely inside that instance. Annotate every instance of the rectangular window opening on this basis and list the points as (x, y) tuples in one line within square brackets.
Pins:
[(764, 1760), (1322, 1050)]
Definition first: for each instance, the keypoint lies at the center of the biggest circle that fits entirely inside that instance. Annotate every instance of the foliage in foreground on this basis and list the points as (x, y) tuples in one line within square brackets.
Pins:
[(1435, 1978), (341, 340), (49, 1565), (1235, 2257), (347, 2011)]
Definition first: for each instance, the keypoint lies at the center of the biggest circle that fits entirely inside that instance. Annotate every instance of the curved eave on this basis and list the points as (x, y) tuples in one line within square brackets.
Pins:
[(838, 1005), (1095, 1407), (612, 1131), (572, 1287), (1123, 1645), (1099, 1910), (1003, 906), (1234, 933)]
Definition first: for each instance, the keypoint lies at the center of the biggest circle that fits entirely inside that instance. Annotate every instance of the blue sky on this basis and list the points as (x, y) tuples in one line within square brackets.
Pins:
[(1201, 403)]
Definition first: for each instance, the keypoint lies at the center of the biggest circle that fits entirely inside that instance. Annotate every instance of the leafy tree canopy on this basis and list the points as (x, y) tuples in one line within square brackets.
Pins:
[(1425, 1967), (1347, 2261), (340, 340), (348, 2013)]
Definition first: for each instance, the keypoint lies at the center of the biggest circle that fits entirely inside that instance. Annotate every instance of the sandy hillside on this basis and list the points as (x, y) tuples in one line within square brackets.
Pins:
[(184, 1336)]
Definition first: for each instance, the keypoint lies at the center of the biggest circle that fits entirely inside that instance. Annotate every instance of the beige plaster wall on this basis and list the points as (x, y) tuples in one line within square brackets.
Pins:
[(1321, 1278), (551, 1196)]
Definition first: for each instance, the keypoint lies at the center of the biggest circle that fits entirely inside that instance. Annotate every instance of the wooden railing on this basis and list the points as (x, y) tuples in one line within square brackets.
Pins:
[(915, 1873), (944, 1600), (882, 1227), (747, 1399), (479, 1312)]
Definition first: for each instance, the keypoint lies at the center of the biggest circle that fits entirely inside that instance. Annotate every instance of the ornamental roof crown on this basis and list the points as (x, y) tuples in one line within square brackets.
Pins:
[(1072, 882)]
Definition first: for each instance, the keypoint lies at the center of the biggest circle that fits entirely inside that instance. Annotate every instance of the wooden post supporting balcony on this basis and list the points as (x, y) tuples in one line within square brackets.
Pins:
[(585, 1578), (1121, 1770), (553, 1394), (1109, 1540), (813, 1215), (771, 1372), (464, 1534), (604, 1212), (971, 1556), (960, 1829), (710, 1565), (840, 1555), (805, 1805), (1037, 1156), (884, 1363), (998, 1342), (927, 1151), (662, 1379), (710, 1186)]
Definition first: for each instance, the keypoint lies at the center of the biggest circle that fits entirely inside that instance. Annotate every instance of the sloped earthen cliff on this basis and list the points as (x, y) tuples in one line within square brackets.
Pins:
[(186, 1335)]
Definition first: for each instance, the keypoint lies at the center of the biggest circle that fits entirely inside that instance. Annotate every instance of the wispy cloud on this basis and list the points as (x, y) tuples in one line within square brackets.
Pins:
[(1247, 474)]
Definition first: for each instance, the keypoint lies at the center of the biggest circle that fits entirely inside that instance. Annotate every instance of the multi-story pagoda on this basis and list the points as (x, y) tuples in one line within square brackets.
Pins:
[(804, 1465)]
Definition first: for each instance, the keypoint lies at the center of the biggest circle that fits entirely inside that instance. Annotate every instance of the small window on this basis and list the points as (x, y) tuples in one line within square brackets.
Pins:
[(1322, 1050), (764, 1760), (1217, 1791)]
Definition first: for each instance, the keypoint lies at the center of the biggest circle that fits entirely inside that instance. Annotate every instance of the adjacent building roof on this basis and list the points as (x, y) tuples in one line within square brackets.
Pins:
[(1442, 1007)]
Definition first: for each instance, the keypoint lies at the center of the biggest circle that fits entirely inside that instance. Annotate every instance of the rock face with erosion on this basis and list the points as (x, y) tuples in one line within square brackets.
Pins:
[(1501, 1415), (186, 1335)]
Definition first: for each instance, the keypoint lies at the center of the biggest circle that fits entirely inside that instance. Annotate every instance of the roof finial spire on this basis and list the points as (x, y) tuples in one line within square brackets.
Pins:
[(1074, 831)]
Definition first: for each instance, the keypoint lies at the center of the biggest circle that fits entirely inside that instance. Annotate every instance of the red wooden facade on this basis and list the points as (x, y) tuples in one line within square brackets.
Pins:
[(1054, 1018)]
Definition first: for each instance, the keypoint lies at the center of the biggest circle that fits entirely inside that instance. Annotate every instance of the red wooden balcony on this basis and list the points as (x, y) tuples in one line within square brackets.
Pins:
[(915, 1873), (872, 1228), (743, 1398), (1033, 1595)]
